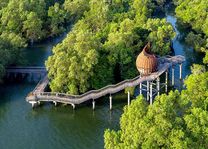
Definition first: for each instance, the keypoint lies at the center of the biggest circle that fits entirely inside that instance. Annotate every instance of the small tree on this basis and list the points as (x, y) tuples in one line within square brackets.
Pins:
[(32, 26)]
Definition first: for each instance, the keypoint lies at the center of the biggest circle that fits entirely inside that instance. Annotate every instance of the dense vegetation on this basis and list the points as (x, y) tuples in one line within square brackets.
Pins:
[(176, 120), (102, 47), (193, 15), (23, 21)]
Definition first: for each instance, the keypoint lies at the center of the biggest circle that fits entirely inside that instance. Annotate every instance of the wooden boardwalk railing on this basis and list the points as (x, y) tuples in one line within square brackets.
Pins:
[(26, 70), (39, 95)]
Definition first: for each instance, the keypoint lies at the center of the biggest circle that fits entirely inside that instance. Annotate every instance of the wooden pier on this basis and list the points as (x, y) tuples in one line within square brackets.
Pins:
[(165, 63)]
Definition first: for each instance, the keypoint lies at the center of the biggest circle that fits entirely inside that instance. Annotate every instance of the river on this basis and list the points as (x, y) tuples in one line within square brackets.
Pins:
[(52, 127)]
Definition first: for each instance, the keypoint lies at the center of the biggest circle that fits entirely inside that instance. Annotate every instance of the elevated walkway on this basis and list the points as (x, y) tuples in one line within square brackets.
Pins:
[(39, 95), (25, 70)]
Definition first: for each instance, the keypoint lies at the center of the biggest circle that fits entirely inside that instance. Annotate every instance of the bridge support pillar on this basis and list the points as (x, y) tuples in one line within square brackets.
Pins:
[(173, 76), (129, 98), (110, 98), (34, 104), (166, 81), (180, 71), (158, 86), (93, 104), (148, 84), (151, 98)]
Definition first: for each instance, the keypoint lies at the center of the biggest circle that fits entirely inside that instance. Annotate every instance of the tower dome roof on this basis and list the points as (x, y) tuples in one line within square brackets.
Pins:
[(146, 62)]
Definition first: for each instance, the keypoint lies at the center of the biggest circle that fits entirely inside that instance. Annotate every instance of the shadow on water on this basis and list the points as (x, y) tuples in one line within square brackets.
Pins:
[(37, 54)]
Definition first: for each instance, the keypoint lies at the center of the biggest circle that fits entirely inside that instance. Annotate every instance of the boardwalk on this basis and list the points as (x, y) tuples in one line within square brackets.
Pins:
[(38, 95), (25, 70)]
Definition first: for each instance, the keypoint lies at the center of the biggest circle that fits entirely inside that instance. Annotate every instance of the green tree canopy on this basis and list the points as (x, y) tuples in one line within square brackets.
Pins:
[(32, 26), (173, 121), (117, 30)]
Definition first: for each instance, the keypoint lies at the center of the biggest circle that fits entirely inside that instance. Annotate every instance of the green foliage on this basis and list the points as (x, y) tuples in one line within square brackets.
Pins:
[(130, 89), (120, 29), (156, 126), (160, 35), (24, 21), (9, 50), (197, 88), (39, 19), (197, 69), (32, 26), (56, 18), (205, 60), (195, 40), (76, 8), (173, 121), (72, 66), (194, 13)]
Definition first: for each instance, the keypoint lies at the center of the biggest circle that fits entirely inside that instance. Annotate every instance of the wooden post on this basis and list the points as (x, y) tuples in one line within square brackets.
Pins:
[(147, 90), (150, 93), (93, 104), (173, 77), (55, 103), (110, 98), (34, 103), (73, 105), (180, 71), (158, 86), (129, 98), (166, 81), (140, 87)]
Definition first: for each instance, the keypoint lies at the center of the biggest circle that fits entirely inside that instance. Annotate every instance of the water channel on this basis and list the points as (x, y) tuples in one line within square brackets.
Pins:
[(61, 127)]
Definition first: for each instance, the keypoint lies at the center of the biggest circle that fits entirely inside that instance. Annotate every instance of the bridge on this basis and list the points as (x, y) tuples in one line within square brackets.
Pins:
[(14, 71), (25, 70), (146, 83)]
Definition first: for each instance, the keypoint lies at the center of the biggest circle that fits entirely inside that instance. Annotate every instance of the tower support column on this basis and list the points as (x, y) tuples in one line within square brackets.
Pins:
[(173, 76), (148, 84), (158, 86), (151, 98), (166, 81), (140, 87), (129, 100), (110, 98), (93, 104), (180, 71)]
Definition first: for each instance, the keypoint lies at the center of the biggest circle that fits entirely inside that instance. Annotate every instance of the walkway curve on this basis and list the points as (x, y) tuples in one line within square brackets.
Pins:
[(39, 95)]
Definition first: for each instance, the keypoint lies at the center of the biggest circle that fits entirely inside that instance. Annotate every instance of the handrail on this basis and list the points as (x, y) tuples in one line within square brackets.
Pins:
[(164, 64), (22, 67)]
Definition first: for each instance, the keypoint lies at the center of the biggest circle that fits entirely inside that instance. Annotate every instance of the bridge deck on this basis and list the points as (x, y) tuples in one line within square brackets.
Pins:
[(26, 70), (39, 95)]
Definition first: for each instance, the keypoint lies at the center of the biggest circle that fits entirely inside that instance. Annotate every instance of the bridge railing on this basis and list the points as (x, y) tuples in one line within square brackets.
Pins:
[(22, 67), (165, 63), (94, 94)]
